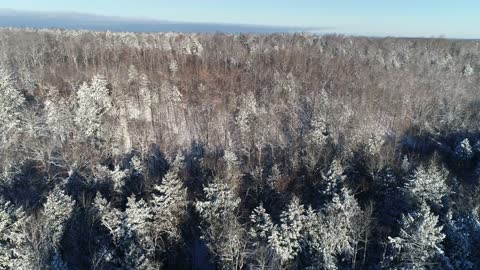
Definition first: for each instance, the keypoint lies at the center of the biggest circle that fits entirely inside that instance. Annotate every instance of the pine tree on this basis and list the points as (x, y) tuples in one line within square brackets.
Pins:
[(286, 238), (57, 210), (221, 202), (57, 262), (333, 180), (108, 216), (173, 67), (419, 242), (462, 238), (118, 178), (132, 75), (168, 203), (147, 227), (11, 106), (428, 184), (137, 165), (463, 151), (262, 225), (130, 231), (273, 178), (59, 118), (139, 218), (36, 239), (220, 226), (263, 256), (135, 257), (468, 70), (232, 163), (330, 232), (93, 102), (8, 217)]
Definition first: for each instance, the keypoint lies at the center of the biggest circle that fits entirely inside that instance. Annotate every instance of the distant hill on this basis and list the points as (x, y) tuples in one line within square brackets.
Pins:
[(66, 20)]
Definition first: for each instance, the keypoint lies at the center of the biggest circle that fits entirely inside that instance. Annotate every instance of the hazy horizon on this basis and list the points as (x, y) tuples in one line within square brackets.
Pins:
[(369, 18), (95, 22)]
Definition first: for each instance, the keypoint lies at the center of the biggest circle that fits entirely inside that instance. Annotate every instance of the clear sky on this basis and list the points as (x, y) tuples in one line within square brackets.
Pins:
[(428, 18)]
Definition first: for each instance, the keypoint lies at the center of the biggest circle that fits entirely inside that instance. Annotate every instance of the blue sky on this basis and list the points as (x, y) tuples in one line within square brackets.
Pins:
[(427, 18)]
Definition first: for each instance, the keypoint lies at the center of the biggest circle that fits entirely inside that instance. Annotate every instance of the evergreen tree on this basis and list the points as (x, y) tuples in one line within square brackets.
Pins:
[(330, 232), (462, 240), (8, 217), (428, 184), (93, 102), (333, 180), (169, 202), (262, 225), (419, 243), (139, 217), (36, 239), (221, 229), (286, 238), (12, 106), (135, 241), (463, 150)]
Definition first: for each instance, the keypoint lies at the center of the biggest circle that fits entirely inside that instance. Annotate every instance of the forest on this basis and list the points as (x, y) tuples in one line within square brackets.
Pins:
[(237, 151)]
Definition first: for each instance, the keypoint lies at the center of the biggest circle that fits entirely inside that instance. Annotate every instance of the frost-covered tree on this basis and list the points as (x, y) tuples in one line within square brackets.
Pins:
[(221, 201), (169, 203), (132, 75), (172, 195), (462, 240), (8, 217), (468, 70), (197, 47), (145, 95), (59, 118), (170, 93), (263, 255), (118, 178), (139, 218), (93, 102), (428, 184), (330, 232), (135, 256), (137, 243), (232, 167), (286, 238), (129, 230), (319, 131), (419, 243), (173, 66), (108, 216), (12, 106), (221, 229), (246, 117), (406, 164), (262, 224), (146, 227), (137, 165), (463, 150), (274, 177), (36, 239), (374, 144), (333, 180), (57, 210)]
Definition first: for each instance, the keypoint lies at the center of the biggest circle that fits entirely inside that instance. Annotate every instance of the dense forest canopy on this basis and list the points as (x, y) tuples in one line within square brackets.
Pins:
[(223, 151)]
